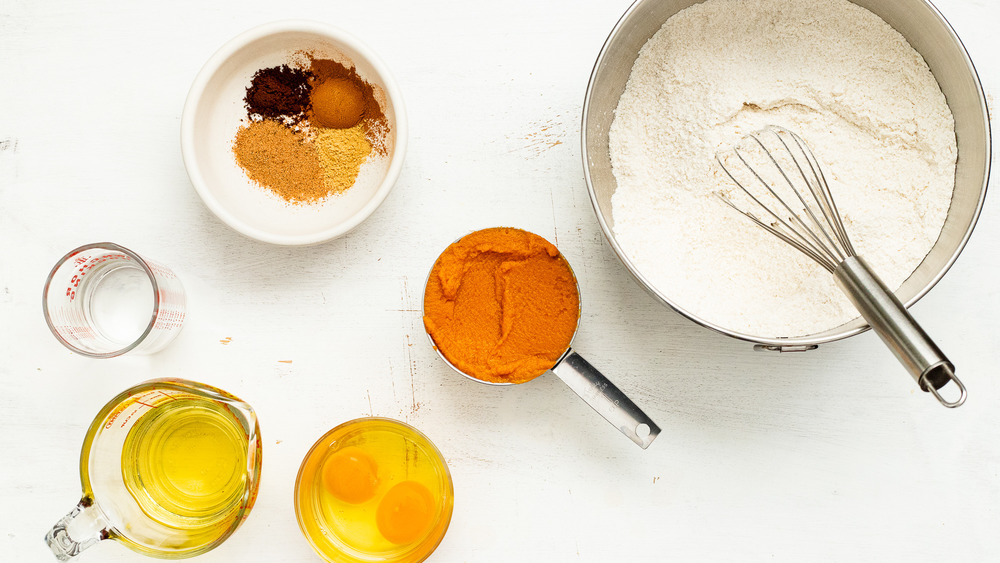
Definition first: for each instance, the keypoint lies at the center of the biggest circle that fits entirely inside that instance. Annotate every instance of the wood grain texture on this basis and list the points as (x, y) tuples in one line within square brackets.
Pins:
[(827, 456)]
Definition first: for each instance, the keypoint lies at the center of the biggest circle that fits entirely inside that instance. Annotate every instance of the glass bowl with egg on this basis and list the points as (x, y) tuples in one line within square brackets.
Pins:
[(374, 489)]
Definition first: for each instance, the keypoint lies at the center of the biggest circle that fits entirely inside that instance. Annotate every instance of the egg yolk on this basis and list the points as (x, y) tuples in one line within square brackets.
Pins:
[(405, 513), (351, 475)]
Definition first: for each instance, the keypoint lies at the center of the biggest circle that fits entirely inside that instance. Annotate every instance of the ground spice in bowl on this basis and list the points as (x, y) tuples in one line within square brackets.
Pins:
[(501, 305), (310, 127), (280, 92), (281, 159), (337, 103), (341, 153)]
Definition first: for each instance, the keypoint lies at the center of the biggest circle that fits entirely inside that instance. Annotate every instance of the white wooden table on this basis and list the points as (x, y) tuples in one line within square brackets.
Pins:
[(826, 456)]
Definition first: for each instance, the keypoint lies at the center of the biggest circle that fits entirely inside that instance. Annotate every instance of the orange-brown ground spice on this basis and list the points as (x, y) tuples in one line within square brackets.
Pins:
[(274, 156), (322, 71)]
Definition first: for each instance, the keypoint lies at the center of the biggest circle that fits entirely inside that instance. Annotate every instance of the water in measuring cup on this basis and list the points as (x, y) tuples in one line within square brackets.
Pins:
[(120, 298)]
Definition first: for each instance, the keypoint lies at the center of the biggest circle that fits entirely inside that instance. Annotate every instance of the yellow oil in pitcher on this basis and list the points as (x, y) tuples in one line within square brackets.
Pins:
[(185, 464), (169, 468)]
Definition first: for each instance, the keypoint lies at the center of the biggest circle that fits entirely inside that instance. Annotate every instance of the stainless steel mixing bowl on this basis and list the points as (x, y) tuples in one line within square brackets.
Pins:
[(925, 29)]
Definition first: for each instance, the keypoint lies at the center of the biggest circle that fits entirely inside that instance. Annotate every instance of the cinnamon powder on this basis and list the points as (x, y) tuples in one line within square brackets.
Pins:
[(375, 124)]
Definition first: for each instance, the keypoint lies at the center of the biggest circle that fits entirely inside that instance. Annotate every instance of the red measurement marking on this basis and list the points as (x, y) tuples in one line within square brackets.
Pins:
[(76, 332), (128, 418), (112, 419)]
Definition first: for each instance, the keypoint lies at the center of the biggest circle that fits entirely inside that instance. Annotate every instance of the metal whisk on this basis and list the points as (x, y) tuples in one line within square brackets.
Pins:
[(786, 194)]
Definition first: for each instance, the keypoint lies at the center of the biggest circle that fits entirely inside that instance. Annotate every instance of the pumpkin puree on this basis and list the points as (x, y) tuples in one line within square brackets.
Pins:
[(502, 305)]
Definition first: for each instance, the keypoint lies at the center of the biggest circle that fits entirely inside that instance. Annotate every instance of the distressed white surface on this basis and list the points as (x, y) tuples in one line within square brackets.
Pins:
[(825, 456)]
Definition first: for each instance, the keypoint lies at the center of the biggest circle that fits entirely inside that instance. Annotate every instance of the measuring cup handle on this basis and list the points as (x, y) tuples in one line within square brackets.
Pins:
[(86, 518), (606, 399)]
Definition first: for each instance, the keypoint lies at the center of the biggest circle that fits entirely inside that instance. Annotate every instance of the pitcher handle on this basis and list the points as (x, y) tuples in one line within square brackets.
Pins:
[(86, 520)]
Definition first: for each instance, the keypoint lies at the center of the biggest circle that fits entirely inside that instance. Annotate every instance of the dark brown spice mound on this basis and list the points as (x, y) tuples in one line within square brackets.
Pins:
[(279, 92)]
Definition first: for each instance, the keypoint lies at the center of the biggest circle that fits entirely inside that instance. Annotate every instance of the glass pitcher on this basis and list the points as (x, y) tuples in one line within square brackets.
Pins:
[(170, 468)]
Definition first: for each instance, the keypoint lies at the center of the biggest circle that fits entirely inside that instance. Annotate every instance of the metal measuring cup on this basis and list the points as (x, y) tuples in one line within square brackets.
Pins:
[(582, 377)]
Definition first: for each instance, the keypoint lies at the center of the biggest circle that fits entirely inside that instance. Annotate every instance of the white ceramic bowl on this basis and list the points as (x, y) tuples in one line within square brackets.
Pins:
[(215, 110)]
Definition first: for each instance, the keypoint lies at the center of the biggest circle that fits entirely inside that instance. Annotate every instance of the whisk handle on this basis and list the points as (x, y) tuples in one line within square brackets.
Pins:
[(929, 367)]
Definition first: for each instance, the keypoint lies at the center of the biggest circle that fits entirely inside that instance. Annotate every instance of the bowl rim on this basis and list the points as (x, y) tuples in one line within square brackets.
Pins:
[(791, 343), (211, 67)]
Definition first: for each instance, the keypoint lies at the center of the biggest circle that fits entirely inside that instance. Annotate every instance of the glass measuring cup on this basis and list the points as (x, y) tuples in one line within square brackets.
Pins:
[(169, 468), (585, 380), (102, 300)]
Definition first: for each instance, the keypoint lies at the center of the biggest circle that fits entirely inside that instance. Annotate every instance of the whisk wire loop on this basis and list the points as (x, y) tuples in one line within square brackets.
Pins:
[(819, 191), (828, 205), (816, 229), (777, 226), (802, 246)]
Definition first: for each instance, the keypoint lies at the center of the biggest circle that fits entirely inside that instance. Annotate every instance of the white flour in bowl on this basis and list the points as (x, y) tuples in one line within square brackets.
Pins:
[(833, 72)]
